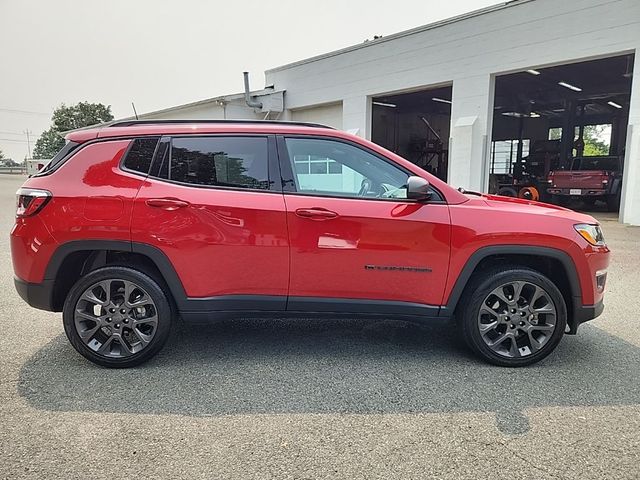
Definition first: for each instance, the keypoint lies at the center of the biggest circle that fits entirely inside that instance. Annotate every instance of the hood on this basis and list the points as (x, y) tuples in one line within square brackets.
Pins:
[(520, 205)]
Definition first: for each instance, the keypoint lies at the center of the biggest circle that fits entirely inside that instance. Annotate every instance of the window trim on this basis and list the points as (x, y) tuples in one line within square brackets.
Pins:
[(289, 179), (275, 184)]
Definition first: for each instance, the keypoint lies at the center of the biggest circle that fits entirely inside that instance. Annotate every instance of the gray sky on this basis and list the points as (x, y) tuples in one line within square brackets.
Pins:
[(161, 53)]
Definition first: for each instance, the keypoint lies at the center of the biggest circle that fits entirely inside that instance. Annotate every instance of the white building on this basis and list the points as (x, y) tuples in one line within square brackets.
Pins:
[(469, 95)]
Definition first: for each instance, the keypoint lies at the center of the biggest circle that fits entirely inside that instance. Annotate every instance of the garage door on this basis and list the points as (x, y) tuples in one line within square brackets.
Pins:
[(326, 114)]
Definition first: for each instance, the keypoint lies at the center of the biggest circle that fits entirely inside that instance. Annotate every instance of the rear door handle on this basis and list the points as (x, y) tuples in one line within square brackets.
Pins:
[(169, 204), (316, 213)]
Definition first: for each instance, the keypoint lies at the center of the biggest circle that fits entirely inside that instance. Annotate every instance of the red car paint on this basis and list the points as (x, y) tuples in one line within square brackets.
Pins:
[(237, 242)]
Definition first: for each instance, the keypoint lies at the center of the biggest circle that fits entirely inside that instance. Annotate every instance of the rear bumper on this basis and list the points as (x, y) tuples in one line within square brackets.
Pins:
[(38, 295), (584, 313), (584, 192)]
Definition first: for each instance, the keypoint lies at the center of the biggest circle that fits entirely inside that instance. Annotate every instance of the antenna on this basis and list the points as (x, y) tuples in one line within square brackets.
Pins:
[(134, 110)]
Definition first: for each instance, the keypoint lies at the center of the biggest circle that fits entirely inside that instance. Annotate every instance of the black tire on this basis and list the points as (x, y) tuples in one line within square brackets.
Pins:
[(561, 200), (508, 192), (481, 286), (613, 202), (159, 301), (589, 202)]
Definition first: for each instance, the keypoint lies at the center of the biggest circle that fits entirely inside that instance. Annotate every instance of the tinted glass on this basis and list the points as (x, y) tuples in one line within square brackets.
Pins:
[(220, 161), (140, 154), (328, 167), (595, 163), (64, 153)]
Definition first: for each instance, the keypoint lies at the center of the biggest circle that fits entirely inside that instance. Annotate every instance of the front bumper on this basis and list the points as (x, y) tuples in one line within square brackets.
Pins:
[(38, 295), (584, 313)]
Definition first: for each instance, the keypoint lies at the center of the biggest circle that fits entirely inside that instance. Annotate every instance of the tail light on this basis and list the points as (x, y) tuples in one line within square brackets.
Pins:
[(30, 201)]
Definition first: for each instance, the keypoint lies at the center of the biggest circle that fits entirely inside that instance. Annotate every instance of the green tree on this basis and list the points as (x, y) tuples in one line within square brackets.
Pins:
[(48, 144), (1, 155), (597, 140), (67, 118)]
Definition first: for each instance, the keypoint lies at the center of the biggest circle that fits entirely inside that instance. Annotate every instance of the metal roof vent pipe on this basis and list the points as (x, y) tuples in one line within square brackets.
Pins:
[(247, 93)]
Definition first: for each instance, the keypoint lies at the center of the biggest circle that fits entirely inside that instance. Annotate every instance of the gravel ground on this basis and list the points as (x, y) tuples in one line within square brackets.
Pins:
[(322, 398)]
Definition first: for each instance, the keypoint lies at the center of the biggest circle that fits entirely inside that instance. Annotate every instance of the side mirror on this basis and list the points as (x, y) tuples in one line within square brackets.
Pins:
[(418, 188)]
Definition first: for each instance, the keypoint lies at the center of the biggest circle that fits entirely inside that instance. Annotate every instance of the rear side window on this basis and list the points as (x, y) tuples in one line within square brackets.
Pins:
[(140, 155), (59, 158), (218, 161)]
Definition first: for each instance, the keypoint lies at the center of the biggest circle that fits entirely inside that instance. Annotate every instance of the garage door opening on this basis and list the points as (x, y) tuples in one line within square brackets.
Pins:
[(416, 126), (559, 133)]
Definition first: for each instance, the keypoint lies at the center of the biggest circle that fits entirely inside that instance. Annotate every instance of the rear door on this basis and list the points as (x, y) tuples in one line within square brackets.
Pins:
[(214, 208), (357, 243)]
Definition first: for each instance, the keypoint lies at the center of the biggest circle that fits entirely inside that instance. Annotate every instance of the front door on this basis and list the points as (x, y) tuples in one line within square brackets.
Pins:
[(210, 207), (357, 242)]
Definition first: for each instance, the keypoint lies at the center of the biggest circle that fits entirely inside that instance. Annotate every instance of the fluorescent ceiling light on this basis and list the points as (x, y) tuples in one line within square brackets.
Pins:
[(614, 104), (533, 72), (569, 86), (521, 115), (383, 104), (441, 100)]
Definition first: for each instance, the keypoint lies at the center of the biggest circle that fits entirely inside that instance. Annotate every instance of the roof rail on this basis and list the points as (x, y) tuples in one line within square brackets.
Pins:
[(130, 123)]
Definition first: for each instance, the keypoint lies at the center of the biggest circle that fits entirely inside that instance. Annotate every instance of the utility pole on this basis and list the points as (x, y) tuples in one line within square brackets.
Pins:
[(27, 132)]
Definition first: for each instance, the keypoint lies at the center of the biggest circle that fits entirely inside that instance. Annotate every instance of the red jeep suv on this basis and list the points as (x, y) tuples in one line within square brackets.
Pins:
[(134, 224)]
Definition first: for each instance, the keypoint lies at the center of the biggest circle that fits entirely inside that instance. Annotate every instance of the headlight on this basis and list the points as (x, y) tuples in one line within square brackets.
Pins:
[(591, 233)]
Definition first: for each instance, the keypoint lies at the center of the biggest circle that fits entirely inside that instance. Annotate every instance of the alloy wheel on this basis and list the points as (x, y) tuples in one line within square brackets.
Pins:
[(116, 318), (517, 319)]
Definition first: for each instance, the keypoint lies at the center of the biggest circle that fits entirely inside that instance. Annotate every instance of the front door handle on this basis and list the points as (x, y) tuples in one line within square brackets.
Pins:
[(316, 213), (169, 204)]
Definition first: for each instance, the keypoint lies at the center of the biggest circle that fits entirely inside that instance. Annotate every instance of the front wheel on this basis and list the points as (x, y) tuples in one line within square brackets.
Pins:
[(513, 316), (117, 317)]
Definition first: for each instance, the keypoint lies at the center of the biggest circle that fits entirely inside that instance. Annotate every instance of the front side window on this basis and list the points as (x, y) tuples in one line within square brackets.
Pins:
[(240, 162), (329, 167)]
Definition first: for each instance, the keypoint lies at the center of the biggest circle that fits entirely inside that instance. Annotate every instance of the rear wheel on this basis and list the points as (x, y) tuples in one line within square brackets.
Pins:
[(513, 316), (613, 202), (117, 317)]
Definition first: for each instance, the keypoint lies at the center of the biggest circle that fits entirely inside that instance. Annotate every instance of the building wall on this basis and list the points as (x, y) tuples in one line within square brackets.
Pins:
[(469, 53), (326, 114), (235, 109)]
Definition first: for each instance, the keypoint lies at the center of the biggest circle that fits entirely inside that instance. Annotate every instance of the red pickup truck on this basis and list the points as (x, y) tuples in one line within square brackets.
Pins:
[(591, 179)]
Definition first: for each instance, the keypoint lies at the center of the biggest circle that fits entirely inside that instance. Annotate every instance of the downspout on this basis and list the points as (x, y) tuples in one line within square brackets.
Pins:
[(247, 93)]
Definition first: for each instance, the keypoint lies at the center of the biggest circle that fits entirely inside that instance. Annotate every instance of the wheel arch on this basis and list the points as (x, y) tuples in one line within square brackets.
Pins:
[(78, 257), (546, 260)]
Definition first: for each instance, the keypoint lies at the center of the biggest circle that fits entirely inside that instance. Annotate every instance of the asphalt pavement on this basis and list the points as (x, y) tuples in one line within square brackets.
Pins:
[(307, 398)]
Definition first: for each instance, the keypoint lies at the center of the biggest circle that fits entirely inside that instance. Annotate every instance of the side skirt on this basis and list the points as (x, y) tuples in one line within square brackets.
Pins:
[(208, 310)]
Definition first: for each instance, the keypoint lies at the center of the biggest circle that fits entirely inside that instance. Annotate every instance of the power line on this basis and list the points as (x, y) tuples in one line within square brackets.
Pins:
[(12, 140), (12, 133), (29, 112)]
